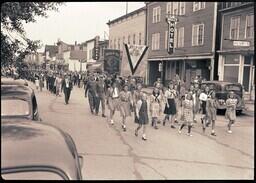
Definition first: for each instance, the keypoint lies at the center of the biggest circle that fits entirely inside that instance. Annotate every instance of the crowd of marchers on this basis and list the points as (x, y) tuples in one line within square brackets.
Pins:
[(126, 96)]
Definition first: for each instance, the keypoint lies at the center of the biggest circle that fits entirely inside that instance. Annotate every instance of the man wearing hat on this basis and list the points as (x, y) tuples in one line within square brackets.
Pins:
[(67, 87), (91, 89), (100, 95)]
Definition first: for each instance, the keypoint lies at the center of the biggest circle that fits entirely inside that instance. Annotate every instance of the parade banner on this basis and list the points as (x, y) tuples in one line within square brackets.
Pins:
[(135, 54), (112, 61)]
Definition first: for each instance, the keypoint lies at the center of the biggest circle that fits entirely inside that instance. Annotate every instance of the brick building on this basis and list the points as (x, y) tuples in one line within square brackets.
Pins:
[(129, 29), (194, 40), (236, 54)]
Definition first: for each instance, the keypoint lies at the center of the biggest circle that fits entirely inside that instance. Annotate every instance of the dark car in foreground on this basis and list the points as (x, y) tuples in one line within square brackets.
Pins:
[(18, 101), (222, 90), (38, 151)]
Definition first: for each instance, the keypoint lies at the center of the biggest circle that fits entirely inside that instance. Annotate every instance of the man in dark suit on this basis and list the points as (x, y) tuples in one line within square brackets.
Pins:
[(67, 87), (100, 95), (91, 89)]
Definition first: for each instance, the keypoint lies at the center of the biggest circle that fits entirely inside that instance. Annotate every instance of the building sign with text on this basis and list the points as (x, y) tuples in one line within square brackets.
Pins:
[(171, 29)]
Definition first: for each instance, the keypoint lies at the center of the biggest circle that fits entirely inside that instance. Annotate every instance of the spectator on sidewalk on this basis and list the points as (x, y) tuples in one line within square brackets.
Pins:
[(100, 95), (91, 90)]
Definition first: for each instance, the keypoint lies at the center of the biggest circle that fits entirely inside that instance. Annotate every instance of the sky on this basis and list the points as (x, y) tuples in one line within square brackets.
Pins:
[(77, 21)]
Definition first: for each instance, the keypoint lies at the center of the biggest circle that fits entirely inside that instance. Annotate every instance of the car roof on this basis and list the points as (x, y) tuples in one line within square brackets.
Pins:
[(219, 82), (26, 143), (16, 89), (11, 81)]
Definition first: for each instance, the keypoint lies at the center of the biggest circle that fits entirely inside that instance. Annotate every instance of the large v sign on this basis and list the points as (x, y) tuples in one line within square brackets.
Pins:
[(135, 53)]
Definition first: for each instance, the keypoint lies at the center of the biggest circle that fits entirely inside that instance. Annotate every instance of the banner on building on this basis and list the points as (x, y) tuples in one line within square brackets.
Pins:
[(112, 61), (171, 29), (135, 54)]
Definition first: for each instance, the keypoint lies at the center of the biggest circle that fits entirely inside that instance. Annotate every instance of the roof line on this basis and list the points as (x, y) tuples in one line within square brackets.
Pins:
[(127, 15)]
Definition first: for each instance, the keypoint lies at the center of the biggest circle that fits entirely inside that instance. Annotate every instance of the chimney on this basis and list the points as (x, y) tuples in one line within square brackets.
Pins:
[(75, 42)]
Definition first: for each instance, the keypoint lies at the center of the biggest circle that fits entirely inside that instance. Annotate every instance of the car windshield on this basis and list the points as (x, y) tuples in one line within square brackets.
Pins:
[(212, 86), (14, 107), (233, 87)]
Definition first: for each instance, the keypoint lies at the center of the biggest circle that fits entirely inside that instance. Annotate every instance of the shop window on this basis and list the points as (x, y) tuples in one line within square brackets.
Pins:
[(232, 59), (231, 73)]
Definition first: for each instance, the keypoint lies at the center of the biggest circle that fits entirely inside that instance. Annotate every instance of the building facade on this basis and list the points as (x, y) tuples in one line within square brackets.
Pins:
[(236, 54), (128, 29), (194, 40)]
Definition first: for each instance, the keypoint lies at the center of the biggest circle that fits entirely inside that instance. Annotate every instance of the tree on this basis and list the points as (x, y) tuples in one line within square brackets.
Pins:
[(14, 43)]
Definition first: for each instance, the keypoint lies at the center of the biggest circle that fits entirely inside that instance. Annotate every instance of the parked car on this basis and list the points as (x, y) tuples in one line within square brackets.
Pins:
[(222, 90), (18, 101), (11, 81), (38, 151)]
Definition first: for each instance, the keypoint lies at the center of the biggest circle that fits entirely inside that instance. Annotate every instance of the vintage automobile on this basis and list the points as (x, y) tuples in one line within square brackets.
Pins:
[(38, 151), (10, 81), (222, 90), (18, 101)]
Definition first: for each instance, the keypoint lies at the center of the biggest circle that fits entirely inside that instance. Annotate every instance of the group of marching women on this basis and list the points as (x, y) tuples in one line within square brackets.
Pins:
[(173, 102)]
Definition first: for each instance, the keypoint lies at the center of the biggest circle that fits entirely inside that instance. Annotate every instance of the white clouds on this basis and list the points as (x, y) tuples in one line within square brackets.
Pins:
[(78, 21)]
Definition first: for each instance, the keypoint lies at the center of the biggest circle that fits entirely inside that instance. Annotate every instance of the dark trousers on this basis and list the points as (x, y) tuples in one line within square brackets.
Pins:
[(67, 95), (100, 100), (92, 101), (79, 81)]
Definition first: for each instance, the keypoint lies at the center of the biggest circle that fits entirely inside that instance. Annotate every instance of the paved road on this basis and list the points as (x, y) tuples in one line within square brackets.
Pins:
[(110, 153)]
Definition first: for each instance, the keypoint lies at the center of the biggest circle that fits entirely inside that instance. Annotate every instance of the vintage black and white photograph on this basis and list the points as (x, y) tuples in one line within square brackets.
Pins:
[(127, 90)]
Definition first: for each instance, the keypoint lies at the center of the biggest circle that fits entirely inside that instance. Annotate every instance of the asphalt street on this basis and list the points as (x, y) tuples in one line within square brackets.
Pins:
[(110, 153)]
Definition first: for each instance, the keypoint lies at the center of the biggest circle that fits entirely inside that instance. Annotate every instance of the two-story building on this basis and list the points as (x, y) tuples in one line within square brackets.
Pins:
[(236, 54), (129, 29), (194, 40)]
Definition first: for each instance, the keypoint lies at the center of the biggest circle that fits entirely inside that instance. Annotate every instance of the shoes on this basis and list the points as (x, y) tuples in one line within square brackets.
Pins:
[(179, 131), (136, 132), (189, 135), (103, 115), (152, 123), (124, 128), (229, 131), (111, 122), (173, 126), (203, 129), (175, 121), (202, 121), (213, 134), (156, 127), (144, 137), (164, 123)]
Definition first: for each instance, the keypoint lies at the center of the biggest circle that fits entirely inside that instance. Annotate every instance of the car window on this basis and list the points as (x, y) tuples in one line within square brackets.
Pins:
[(233, 87), (14, 107), (32, 175), (212, 86)]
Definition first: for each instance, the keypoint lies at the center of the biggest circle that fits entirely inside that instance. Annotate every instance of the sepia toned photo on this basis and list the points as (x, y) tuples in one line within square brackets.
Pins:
[(127, 90)]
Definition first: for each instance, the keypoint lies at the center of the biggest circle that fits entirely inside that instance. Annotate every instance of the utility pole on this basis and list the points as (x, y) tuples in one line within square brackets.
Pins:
[(126, 8)]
